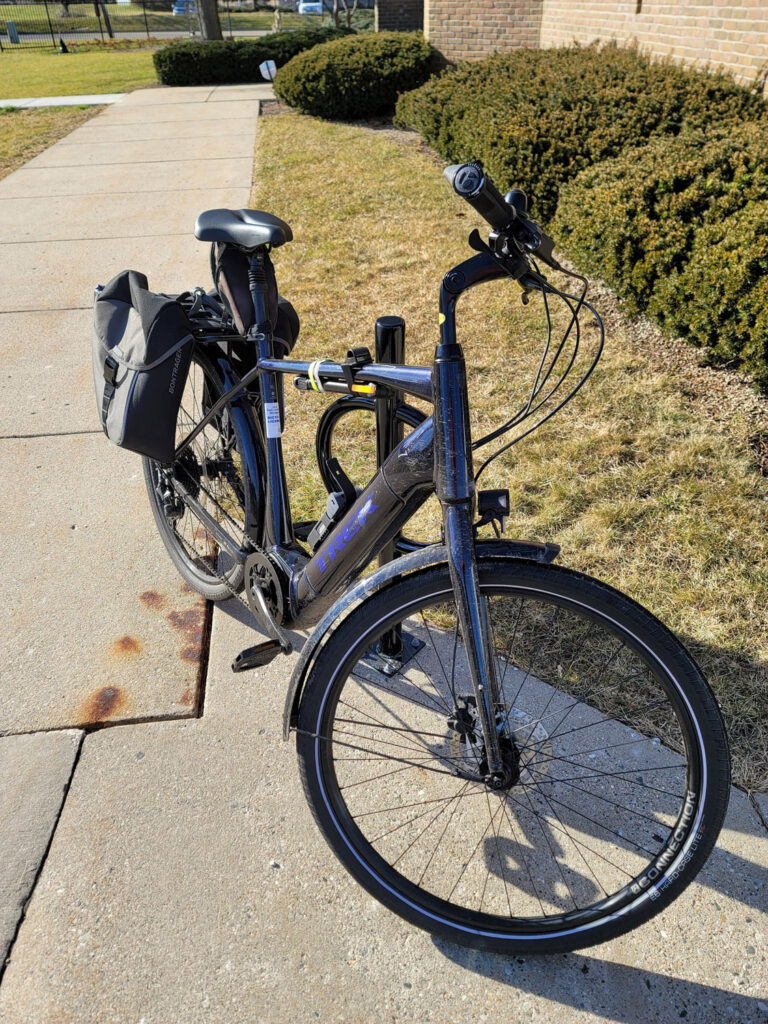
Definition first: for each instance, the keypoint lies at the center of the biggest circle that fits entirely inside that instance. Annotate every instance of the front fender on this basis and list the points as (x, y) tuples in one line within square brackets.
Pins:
[(402, 566)]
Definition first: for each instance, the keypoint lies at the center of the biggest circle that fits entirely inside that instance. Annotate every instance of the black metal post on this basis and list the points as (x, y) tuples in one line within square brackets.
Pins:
[(146, 23), (107, 20), (50, 24), (390, 348)]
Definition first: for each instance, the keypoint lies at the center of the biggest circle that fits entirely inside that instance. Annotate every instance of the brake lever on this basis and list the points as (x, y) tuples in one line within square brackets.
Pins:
[(514, 263)]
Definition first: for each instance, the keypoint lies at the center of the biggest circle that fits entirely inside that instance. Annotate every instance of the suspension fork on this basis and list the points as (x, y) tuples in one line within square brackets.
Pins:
[(455, 488)]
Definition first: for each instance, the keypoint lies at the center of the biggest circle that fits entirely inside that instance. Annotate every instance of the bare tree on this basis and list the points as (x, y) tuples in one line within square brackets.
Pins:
[(332, 6), (277, 20), (208, 16), (350, 6)]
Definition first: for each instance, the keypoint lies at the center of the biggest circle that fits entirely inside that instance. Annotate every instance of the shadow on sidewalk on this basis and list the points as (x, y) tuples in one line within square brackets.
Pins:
[(615, 992)]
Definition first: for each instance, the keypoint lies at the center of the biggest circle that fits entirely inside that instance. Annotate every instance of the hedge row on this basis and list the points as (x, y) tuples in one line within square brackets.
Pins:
[(680, 229), (213, 63), (535, 118), (356, 77)]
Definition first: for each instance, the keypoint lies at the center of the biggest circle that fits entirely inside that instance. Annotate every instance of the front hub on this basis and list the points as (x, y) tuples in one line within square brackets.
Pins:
[(509, 774), (467, 744)]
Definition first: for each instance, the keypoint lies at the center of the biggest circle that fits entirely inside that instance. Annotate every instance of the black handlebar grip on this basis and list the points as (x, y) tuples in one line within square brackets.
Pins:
[(472, 184)]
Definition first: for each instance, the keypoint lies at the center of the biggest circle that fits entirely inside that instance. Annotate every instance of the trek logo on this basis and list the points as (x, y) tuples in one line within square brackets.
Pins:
[(342, 539)]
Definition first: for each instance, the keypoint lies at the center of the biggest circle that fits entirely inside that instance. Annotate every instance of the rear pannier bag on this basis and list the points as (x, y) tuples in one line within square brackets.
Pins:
[(142, 346)]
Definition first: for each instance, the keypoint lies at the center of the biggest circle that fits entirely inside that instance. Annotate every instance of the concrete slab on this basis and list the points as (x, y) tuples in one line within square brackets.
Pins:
[(99, 154), (98, 625), (142, 131), (191, 112), (34, 775), (63, 274), (46, 381), (187, 881), (53, 182), (256, 90), (115, 216), (165, 95)]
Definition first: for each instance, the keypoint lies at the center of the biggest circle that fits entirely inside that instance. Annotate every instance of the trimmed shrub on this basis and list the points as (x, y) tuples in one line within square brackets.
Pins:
[(535, 118), (221, 62), (356, 77), (680, 229)]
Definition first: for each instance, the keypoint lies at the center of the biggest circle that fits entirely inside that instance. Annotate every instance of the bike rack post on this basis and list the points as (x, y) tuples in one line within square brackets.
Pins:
[(390, 348)]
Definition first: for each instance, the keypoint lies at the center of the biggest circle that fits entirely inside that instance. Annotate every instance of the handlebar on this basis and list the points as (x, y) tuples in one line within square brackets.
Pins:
[(471, 183)]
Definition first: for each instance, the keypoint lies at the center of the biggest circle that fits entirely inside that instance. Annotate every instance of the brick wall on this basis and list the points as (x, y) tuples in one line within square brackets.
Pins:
[(471, 29), (721, 33), (399, 15)]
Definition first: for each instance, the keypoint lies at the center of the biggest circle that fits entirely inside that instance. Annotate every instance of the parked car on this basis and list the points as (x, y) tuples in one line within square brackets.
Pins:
[(311, 7), (184, 7)]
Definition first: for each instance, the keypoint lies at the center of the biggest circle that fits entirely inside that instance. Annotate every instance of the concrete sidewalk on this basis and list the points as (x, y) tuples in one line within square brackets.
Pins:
[(177, 873), (97, 624), (102, 99)]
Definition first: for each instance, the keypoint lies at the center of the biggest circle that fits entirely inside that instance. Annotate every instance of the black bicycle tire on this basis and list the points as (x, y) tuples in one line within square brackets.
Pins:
[(343, 647), (210, 586)]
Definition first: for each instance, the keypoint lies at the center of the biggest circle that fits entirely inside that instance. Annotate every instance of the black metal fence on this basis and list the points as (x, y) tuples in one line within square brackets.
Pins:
[(41, 24)]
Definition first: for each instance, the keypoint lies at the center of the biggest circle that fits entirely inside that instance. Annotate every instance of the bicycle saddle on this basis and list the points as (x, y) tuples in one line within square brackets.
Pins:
[(245, 228)]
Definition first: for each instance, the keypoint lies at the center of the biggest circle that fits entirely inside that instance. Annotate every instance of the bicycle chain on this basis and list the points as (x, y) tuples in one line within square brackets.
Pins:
[(209, 561)]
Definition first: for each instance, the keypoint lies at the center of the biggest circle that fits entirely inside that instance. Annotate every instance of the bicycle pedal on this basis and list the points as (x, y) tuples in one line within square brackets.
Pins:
[(255, 657)]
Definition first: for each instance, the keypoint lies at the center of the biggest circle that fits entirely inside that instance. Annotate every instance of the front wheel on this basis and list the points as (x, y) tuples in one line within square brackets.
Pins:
[(619, 769)]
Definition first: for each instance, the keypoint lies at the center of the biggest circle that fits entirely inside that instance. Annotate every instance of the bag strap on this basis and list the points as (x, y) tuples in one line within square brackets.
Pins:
[(111, 367)]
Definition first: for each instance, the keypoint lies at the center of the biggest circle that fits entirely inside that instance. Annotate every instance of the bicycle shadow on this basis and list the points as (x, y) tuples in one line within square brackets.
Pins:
[(612, 991), (727, 871)]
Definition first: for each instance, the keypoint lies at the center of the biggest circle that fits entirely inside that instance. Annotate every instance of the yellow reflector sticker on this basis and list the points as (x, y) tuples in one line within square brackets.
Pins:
[(441, 319)]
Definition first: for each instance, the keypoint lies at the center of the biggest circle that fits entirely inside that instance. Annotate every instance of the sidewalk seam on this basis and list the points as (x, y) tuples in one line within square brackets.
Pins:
[(757, 810), (43, 860)]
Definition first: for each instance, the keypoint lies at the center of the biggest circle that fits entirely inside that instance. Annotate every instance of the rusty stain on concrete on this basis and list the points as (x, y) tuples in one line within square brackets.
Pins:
[(126, 646), (187, 697), (103, 704), (151, 599), (191, 624)]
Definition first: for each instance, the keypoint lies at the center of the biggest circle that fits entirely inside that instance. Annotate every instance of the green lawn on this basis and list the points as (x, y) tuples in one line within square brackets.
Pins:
[(74, 74), (25, 133), (647, 479)]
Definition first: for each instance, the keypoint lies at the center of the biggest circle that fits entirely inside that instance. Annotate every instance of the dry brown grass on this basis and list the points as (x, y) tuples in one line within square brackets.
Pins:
[(646, 480), (25, 133)]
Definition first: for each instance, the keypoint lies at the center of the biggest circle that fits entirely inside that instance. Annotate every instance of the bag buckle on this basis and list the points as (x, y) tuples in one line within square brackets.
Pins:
[(111, 366)]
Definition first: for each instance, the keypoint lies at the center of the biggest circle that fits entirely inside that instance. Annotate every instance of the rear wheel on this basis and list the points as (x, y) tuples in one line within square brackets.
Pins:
[(618, 764), (211, 471)]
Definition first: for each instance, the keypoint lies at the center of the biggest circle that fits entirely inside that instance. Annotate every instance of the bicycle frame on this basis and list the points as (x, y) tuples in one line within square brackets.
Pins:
[(435, 457)]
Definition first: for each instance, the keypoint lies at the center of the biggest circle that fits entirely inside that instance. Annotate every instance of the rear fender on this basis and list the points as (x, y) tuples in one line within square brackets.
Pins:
[(405, 565)]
